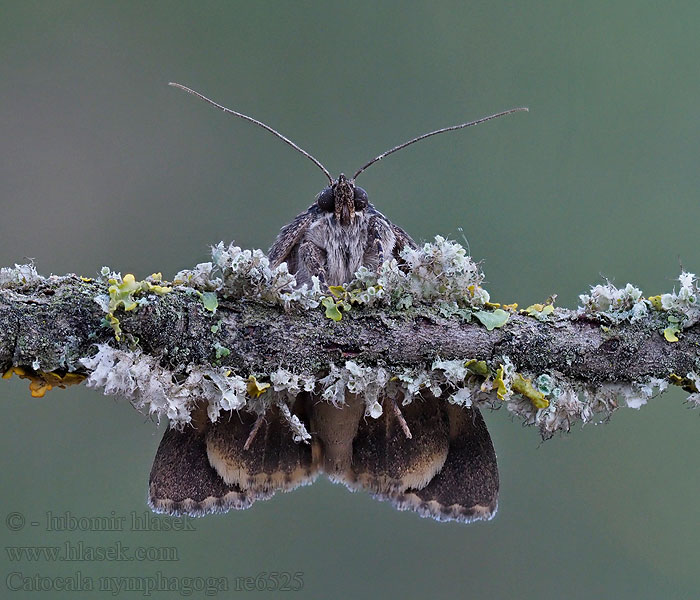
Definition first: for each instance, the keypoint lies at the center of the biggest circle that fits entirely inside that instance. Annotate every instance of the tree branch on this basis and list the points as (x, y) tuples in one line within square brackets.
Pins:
[(201, 341)]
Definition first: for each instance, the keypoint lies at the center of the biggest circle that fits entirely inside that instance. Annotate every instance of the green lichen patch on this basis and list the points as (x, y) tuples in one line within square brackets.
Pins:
[(492, 319), (539, 311), (210, 301), (221, 351), (332, 308)]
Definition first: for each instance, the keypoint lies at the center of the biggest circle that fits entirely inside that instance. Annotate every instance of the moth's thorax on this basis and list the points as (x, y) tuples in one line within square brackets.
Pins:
[(344, 245)]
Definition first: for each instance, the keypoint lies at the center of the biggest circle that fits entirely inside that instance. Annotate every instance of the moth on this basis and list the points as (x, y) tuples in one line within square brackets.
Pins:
[(429, 456)]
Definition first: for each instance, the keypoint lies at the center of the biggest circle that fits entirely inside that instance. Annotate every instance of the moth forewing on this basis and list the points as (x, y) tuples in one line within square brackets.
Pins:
[(289, 237)]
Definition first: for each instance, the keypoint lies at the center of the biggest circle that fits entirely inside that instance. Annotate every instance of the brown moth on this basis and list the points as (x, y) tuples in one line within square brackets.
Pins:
[(446, 470), (431, 457)]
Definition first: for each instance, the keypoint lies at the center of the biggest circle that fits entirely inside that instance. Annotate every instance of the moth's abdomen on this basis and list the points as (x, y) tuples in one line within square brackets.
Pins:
[(333, 429)]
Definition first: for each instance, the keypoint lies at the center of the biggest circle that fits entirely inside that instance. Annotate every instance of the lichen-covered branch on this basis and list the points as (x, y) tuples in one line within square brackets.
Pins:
[(238, 335)]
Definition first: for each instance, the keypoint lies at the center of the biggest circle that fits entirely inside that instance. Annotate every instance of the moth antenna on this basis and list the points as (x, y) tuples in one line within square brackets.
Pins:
[(286, 140), (443, 130)]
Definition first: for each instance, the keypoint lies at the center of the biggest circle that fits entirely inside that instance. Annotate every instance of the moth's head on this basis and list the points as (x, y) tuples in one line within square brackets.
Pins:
[(343, 198)]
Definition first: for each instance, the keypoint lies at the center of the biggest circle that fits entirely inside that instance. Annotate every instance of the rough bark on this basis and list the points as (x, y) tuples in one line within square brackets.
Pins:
[(49, 325)]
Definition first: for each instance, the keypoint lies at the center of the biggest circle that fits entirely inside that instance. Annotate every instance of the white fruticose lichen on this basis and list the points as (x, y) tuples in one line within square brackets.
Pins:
[(355, 379), (288, 385), (573, 403), (454, 371), (237, 273), (686, 301), (19, 275), (299, 432), (159, 392), (412, 381), (139, 378), (248, 273), (156, 390), (437, 271), (617, 304)]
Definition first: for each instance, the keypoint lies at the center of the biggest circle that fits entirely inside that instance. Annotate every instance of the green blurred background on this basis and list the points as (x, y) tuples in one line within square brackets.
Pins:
[(104, 164)]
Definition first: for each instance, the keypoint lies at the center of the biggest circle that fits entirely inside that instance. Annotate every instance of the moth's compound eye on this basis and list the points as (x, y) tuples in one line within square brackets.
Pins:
[(361, 199), (326, 200)]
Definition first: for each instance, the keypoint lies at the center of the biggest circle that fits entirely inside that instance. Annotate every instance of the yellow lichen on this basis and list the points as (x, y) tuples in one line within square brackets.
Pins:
[(478, 367), (255, 388), (683, 382), (43, 381), (114, 324), (337, 290), (524, 387), (499, 384), (121, 295), (670, 333), (655, 302), (540, 311)]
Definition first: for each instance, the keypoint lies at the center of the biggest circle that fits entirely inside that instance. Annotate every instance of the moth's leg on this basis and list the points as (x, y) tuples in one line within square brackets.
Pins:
[(399, 416), (312, 259), (254, 431), (293, 420)]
